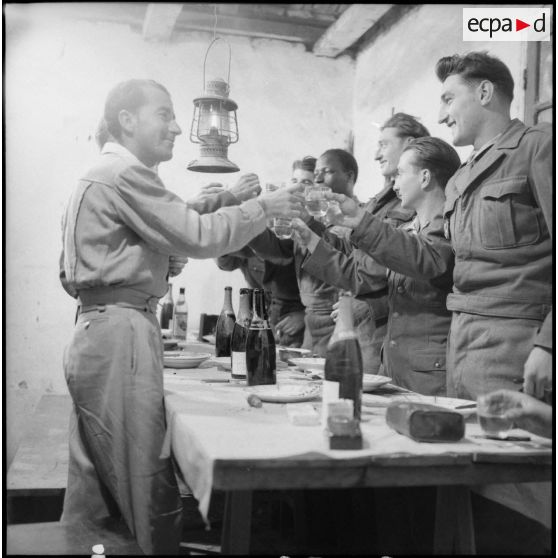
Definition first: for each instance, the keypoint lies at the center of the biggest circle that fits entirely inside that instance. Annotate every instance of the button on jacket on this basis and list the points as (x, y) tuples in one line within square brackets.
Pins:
[(499, 210)]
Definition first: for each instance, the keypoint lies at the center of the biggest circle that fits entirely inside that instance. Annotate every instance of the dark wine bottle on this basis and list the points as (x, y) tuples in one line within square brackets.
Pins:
[(343, 365), (167, 309), (224, 326), (260, 346), (239, 334)]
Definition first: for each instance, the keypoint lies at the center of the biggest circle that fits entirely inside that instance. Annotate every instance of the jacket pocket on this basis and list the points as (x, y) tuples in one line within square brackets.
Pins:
[(429, 360), (508, 214)]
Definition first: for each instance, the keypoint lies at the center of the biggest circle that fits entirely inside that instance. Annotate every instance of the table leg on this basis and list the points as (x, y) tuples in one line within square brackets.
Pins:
[(237, 522), (454, 530)]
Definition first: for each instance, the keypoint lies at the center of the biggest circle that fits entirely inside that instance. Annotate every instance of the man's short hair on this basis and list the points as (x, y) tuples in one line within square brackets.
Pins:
[(476, 66), (127, 95), (436, 155), (307, 163), (348, 162), (406, 125)]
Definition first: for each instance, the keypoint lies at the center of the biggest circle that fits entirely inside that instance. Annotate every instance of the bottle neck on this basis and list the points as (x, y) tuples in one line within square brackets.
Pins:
[(244, 311), (259, 316), (227, 304), (344, 328)]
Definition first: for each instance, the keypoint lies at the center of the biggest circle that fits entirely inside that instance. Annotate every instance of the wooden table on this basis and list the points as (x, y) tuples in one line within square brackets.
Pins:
[(221, 443)]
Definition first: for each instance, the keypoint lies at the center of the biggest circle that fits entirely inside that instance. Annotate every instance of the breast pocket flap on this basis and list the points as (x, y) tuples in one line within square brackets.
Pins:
[(428, 361), (506, 186)]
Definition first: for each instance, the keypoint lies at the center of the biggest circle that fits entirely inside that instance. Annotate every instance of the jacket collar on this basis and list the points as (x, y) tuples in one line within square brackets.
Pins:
[(119, 149), (510, 139), (511, 136)]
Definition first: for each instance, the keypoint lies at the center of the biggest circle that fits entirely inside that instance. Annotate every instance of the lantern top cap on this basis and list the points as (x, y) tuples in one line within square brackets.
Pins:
[(217, 90), (218, 87)]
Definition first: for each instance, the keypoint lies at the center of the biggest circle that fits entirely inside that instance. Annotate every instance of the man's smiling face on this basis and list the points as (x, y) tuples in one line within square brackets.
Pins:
[(155, 128), (460, 109)]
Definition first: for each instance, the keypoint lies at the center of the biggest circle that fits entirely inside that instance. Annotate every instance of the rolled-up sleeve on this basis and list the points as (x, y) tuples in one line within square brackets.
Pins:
[(165, 222)]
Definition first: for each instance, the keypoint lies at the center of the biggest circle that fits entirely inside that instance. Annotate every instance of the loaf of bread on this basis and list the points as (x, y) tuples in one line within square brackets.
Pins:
[(423, 422)]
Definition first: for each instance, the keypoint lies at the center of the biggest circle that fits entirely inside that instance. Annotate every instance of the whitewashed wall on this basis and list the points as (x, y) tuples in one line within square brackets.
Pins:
[(396, 72), (57, 74)]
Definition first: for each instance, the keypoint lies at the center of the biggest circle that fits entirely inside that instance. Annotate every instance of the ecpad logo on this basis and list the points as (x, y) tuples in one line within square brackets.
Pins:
[(506, 24)]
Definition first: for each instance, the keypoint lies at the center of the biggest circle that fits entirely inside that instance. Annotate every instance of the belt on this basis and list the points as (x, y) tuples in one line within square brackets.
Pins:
[(98, 297)]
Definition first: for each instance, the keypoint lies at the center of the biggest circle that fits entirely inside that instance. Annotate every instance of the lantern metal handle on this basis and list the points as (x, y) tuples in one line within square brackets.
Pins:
[(205, 60)]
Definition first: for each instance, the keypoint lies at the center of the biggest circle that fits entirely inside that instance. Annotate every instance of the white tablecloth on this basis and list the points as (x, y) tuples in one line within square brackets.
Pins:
[(209, 421)]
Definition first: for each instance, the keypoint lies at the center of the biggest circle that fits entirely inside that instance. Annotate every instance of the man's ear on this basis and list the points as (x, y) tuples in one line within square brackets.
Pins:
[(425, 178), (485, 91), (127, 121)]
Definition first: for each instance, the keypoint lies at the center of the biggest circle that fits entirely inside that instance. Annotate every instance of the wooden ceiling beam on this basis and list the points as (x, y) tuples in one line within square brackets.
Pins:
[(159, 21), (349, 27), (306, 33)]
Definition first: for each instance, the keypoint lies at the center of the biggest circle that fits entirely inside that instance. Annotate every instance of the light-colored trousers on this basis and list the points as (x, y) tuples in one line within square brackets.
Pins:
[(114, 372), (486, 353)]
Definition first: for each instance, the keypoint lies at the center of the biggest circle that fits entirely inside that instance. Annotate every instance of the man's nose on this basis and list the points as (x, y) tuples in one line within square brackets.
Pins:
[(378, 154), (442, 115), (174, 128), (319, 176)]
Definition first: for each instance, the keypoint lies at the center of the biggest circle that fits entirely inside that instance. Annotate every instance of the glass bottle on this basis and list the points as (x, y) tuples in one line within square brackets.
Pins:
[(167, 309), (224, 326), (343, 365), (260, 345), (239, 334), (180, 319)]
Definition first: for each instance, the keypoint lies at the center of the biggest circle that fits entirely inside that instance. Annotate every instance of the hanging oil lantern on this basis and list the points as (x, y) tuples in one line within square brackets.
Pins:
[(214, 124)]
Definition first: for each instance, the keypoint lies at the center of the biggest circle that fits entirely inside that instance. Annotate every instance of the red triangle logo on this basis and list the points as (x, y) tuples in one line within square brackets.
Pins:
[(519, 25)]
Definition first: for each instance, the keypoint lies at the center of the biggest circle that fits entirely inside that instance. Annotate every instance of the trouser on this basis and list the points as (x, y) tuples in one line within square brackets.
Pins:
[(486, 353), (113, 369)]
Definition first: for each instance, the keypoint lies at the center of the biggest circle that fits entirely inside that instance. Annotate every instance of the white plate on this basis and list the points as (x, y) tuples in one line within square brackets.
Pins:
[(370, 382), (285, 353), (285, 393), (182, 359), (306, 363)]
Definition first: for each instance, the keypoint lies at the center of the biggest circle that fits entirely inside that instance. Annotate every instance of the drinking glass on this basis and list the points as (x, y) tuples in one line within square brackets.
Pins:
[(315, 200), (282, 227), (490, 414), (272, 186)]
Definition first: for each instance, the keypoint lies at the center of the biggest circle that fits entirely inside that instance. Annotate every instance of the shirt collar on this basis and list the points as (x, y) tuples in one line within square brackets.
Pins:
[(119, 149)]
